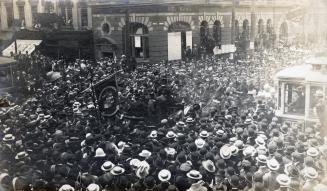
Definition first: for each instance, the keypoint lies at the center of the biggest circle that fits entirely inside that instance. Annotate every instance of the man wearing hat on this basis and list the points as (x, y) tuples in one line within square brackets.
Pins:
[(195, 179), (269, 178)]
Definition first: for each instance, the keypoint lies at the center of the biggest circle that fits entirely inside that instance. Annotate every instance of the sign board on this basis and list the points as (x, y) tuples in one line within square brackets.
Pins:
[(137, 41), (225, 49), (174, 46), (251, 45), (189, 38)]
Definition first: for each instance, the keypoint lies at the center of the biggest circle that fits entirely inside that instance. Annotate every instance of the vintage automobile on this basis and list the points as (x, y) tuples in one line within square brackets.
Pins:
[(301, 92)]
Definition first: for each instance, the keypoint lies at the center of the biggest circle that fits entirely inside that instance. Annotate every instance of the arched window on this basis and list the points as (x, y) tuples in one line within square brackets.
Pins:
[(237, 30), (217, 33), (204, 33), (260, 27), (283, 32), (105, 28), (139, 40), (269, 26), (246, 32)]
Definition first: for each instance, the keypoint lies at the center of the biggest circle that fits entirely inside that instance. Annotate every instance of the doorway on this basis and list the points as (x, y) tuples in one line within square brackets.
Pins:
[(179, 38)]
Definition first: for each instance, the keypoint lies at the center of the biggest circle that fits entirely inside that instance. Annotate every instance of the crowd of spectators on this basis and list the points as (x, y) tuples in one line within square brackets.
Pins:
[(186, 126)]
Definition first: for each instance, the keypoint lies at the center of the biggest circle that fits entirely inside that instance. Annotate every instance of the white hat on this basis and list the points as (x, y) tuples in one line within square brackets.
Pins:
[(8, 137), (107, 166), (93, 187), (100, 153), (204, 134), (171, 134), (283, 180), (209, 165), (153, 134), (311, 173), (170, 151), (135, 163), (66, 187), (260, 141), (273, 164), (145, 153), (313, 152), (199, 143), (117, 170), (164, 175), (225, 152), (194, 174)]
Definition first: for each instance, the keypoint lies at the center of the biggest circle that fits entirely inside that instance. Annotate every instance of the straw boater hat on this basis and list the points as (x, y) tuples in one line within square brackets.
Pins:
[(189, 120), (209, 165), (8, 137), (313, 152), (107, 166), (259, 141), (164, 175), (145, 154), (261, 158), (234, 150), (93, 187), (310, 173), (194, 174), (204, 134), (199, 143), (135, 163), (273, 164), (21, 155), (153, 134), (225, 152), (283, 180), (170, 151), (171, 134), (66, 187), (117, 170)]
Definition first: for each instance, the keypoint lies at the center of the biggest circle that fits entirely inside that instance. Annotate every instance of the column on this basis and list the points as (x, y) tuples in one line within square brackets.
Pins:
[(253, 25), (40, 6), (28, 14), (75, 14), (15, 9), (4, 24), (89, 17), (233, 24)]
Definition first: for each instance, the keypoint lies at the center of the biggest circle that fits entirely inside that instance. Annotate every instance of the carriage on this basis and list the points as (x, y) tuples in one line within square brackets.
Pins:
[(302, 91)]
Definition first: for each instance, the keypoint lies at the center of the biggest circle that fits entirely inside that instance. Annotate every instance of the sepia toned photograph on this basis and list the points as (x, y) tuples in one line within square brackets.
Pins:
[(163, 95)]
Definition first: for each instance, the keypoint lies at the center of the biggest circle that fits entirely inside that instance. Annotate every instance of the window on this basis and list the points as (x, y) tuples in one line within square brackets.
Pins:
[(138, 41), (105, 28), (10, 17), (316, 94), (217, 33), (237, 30), (84, 17), (48, 7), (294, 99), (21, 12), (34, 11), (204, 33)]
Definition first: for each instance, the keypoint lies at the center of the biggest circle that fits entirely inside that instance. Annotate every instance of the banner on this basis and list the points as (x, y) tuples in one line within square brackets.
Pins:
[(107, 96)]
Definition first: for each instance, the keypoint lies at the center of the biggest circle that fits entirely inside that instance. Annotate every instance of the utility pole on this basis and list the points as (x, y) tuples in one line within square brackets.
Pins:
[(127, 37), (233, 23)]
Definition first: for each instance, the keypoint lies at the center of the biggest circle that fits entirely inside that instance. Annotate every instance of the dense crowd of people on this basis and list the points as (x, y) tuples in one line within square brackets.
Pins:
[(181, 126)]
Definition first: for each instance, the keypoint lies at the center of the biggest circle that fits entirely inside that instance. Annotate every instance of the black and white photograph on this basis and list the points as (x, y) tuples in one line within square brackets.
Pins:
[(163, 95)]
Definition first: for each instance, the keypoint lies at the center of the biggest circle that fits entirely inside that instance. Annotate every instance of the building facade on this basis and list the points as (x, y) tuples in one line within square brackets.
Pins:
[(163, 29)]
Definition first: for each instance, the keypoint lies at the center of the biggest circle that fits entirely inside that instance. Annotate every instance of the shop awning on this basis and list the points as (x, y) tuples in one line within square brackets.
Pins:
[(23, 46)]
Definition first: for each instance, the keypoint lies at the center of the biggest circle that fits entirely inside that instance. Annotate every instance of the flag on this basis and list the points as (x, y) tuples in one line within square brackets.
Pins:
[(107, 96)]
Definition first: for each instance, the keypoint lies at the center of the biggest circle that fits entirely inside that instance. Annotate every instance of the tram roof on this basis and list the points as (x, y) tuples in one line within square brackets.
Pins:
[(317, 61), (302, 73), (5, 61)]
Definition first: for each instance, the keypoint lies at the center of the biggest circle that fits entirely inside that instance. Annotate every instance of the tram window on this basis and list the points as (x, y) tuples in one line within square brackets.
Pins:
[(279, 94), (316, 94), (294, 99)]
